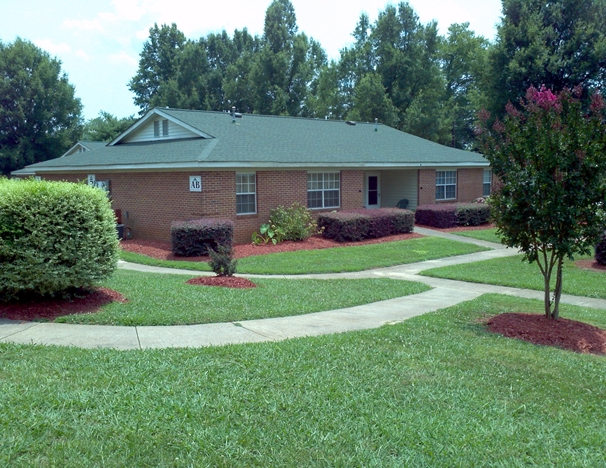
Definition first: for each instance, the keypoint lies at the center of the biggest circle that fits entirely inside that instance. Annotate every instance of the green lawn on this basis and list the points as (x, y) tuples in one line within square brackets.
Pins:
[(488, 235), (513, 272), (434, 391), (335, 260), (155, 299)]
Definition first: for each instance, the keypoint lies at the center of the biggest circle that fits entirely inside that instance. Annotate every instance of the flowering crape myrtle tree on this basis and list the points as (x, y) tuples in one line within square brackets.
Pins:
[(550, 160)]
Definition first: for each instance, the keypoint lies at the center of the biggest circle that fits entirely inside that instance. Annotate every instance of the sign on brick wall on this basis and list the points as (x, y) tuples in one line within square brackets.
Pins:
[(195, 183)]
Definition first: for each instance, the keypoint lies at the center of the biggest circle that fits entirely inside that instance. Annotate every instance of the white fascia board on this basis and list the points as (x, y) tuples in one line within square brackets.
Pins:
[(247, 165)]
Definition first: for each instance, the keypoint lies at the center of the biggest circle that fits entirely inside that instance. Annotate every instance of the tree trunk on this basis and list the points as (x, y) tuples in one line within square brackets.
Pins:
[(558, 291)]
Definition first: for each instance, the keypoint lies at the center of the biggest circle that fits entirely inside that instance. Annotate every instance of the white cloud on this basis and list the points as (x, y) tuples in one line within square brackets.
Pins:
[(52, 47), (83, 55), (123, 58), (83, 25), (132, 10)]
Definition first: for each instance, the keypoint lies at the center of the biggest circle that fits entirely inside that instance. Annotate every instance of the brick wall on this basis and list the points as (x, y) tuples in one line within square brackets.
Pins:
[(151, 201), (469, 185)]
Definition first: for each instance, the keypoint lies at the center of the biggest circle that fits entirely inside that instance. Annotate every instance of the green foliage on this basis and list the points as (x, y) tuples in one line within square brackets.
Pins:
[(600, 250), (158, 64), (266, 234), (39, 114), (550, 160), (473, 214), (222, 261), (294, 223), (559, 44), (464, 62), (106, 127), (357, 225), (54, 236)]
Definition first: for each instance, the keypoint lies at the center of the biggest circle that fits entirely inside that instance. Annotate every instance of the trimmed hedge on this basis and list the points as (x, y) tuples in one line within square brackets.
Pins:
[(473, 214), (448, 215), (197, 237), (600, 250), (439, 216), (54, 236), (356, 225)]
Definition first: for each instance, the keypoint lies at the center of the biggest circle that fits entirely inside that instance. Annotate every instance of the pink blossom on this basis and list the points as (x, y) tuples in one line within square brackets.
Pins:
[(545, 98), (597, 102)]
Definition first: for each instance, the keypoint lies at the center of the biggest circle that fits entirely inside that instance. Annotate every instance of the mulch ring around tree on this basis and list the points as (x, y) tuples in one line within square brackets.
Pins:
[(223, 281), (562, 333), (44, 308)]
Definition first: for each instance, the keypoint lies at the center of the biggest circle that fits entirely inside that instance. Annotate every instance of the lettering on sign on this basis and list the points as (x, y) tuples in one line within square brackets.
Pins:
[(91, 180), (195, 183)]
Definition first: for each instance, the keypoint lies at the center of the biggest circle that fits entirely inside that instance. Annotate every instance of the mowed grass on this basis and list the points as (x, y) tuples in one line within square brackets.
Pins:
[(159, 299), (334, 260), (512, 271), (435, 391), (488, 235)]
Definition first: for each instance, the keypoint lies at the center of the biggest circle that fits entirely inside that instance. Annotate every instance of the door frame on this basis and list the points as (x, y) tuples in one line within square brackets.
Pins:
[(367, 176)]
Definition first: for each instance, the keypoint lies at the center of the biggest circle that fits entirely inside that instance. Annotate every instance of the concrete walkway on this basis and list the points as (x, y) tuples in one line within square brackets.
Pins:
[(445, 293)]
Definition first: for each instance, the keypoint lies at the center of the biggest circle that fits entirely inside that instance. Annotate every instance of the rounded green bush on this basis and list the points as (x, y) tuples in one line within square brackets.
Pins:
[(54, 236)]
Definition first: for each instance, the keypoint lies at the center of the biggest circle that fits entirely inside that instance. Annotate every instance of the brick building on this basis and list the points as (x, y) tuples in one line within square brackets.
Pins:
[(178, 165)]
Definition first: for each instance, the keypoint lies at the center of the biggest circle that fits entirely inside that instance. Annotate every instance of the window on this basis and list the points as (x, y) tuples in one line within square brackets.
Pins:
[(323, 190), (160, 126), (446, 185), (246, 194), (486, 187)]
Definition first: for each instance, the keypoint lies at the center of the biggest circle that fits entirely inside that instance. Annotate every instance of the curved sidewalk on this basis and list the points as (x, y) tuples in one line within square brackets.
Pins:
[(445, 293)]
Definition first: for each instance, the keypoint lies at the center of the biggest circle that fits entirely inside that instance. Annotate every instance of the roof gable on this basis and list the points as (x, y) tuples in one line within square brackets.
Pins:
[(156, 125)]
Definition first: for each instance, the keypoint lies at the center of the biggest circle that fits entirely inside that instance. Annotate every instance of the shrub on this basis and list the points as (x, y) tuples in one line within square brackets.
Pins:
[(356, 225), (344, 226), (448, 215), (199, 236), (472, 214), (294, 223), (440, 215), (600, 250), (54, 236), (222, 261)]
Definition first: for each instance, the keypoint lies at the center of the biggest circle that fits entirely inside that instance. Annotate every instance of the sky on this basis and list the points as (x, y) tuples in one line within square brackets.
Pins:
[(99, 41)]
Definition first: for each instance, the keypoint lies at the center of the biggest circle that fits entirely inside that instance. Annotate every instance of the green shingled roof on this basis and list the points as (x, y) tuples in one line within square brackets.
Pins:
[(268, 141)]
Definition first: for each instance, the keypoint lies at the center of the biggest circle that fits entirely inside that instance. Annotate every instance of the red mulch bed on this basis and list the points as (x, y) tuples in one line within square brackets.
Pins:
[(590, 265), (51, 308), (162, 250), (562, 333), (223, 281)]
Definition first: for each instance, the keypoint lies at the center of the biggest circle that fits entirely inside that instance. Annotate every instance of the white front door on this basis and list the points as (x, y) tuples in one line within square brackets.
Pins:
[(373, 190)]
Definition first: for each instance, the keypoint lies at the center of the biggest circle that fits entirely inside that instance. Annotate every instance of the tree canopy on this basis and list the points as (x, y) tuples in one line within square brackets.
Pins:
[(559, 44), (550, 160), (106, 127), (397, 69), (40, 117)]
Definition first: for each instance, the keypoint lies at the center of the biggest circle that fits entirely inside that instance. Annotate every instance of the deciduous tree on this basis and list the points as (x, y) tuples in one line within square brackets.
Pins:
[(40, 117), (550, 159)]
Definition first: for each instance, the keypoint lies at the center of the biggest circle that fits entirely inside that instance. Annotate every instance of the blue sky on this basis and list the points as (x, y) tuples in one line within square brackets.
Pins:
[(99, 41)]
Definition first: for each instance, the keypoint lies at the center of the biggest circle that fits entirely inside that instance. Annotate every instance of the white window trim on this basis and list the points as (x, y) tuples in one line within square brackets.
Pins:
[(254, 174), (447, 185), (323, 190), (487, 182)]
